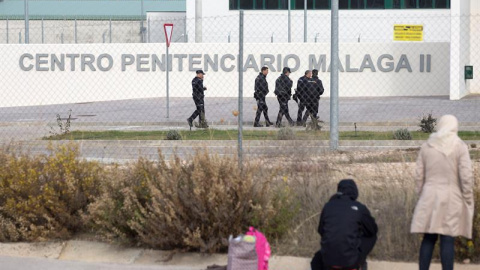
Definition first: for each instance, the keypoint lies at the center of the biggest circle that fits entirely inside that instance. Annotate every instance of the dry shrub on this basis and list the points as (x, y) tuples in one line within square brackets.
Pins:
[(388, 191), (191, 205), (43, 196)]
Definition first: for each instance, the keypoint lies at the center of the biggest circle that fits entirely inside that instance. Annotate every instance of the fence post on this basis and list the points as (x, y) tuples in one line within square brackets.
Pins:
[(198, 21), (142, 27), (27, 30), (167, 72), (305, 22), (20, 37), (110, 29), (43, 34), (289, 23), (7, 31), (61, 38), (240, 92), (271, 38), (334, 79), (185, 37), (148, 25), (75, 31)]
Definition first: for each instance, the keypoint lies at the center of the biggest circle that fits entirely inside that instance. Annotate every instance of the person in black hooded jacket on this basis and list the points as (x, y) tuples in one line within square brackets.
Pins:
[(348, 231)]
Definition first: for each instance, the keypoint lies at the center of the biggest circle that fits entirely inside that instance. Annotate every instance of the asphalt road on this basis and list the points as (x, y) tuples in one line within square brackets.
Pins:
[(18, 263), (27, 125), (389, 109)]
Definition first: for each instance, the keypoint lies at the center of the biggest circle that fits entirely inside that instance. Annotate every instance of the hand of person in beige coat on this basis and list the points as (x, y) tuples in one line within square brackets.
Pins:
[(445, 184)]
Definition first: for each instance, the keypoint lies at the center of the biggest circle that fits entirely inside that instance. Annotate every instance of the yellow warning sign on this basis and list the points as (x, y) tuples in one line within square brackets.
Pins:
[(407, 32)]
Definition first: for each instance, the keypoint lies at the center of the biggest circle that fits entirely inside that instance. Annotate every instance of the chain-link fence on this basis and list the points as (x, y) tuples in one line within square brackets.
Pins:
[(71, 31), (67, 84)]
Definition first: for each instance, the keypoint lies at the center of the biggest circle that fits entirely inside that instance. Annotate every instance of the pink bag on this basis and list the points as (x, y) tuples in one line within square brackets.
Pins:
[(263, 248)]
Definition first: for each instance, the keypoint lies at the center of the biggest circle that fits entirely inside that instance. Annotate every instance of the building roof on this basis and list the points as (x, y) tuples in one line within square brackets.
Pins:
[(87, 9)]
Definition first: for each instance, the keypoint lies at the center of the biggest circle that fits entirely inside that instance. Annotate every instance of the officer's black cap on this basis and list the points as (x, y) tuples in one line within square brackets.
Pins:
[(200, 72), (286, 69)]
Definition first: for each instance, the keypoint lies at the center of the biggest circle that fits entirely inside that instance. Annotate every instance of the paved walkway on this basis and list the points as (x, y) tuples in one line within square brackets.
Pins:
[(377, 114), (360, 110), (75, 255), (15, 263)]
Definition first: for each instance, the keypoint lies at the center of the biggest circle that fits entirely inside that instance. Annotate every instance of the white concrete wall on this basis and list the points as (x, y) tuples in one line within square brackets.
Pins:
[(369, 25), (474, 85), (459, 48), (23, 88)]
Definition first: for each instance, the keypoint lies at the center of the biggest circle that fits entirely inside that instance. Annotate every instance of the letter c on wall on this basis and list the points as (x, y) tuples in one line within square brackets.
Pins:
[(22, 66)]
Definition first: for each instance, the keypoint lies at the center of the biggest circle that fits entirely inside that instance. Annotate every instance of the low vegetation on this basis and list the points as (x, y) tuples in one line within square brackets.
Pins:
[(215, 134), (402, 134), (194, 204)]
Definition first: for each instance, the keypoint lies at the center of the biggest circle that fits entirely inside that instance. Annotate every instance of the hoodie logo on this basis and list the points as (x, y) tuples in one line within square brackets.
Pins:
[(355, 208)]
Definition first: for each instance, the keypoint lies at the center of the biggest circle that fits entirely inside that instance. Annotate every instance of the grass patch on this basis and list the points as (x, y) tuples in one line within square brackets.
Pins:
[(215, 134)]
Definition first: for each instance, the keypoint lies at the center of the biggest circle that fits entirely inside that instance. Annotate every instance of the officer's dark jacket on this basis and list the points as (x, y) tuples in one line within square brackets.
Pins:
[(311, 90), (198, 89), (283, 86), (343, 223), (302, 85), (261, 86), (319, 87)]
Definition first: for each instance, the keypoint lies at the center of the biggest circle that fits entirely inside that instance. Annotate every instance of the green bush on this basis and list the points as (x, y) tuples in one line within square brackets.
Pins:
[(193, 205), (402, 134), (43, 196), (286, 133), (428, 123), (173, 135)]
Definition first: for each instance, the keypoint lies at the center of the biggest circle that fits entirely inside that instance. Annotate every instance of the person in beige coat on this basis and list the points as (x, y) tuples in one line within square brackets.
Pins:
[(445, 185)]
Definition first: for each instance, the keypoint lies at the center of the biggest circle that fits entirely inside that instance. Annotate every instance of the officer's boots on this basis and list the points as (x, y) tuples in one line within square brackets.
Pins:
[(267, 120), (203, 121), (278, 123)]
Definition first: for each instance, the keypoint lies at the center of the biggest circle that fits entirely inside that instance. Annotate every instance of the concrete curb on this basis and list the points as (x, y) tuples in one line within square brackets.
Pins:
[(229, 124), (246, 143), (88, 251)]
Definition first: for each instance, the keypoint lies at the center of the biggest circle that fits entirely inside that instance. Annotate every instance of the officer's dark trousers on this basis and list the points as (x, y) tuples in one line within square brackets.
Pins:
[(200, 111), (366, 247), (283, 102), (262, 108), (316, 106), (311, 111), (301, 108)]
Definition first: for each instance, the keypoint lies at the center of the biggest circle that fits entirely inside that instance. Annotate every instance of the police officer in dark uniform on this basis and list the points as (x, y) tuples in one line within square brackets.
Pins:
[(310, 101), (319, 90), (261, 91), (283, 90), (301, 95), (198, 98)]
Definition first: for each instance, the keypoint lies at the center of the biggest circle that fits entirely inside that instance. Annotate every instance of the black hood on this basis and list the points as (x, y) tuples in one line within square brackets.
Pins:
[(347, 187)]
